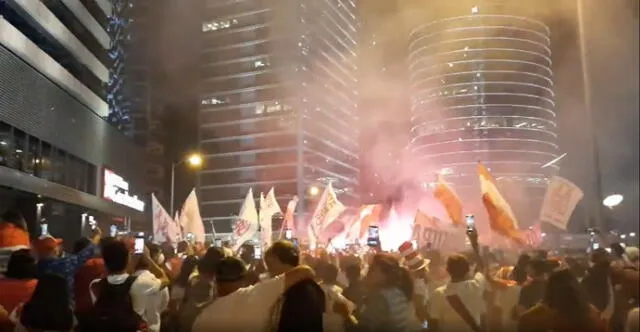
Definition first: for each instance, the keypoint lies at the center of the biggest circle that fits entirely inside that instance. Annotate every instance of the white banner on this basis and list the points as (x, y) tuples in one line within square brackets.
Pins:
[(559, 202), (246, 226), (268, 207), (328, 209), (190, 218), (165, 229)]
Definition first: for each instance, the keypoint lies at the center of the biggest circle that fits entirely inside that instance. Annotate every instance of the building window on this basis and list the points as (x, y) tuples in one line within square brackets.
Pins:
[(247, 158), (218, 25), (5, 144), (45, 162), (33, 157), (213, 101), (19, 147)]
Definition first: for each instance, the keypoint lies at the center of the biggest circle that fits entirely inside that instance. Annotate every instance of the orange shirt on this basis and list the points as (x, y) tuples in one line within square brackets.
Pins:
[(91, 270), (15, 291)]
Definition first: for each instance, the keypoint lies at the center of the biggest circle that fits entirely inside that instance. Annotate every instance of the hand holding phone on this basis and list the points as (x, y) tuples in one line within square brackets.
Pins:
[(138, 247), (288, 234), (373, 236)]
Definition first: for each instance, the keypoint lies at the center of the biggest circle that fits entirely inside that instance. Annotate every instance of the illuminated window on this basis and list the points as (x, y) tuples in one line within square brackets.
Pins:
[(212, 101), (218, 25)]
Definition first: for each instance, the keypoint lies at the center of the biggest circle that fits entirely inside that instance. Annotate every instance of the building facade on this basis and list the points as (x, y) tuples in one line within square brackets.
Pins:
[(61, 161), (278, 102), (135, 88), (482, 90)]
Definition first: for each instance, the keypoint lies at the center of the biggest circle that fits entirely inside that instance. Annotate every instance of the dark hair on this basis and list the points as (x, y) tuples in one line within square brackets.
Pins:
[(48, 308), (230, 269), (396, 275), (22, 265), (208, 263), (564, 295), (188, 265), (285, 252), (457, 266), (14, 217), (82, 243), (519, 273), (183, 246), (328, 273), (353, 272), (154, 249), (115, 255), (538, 266)]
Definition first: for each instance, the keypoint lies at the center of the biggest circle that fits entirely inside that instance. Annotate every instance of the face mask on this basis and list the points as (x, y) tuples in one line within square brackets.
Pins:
[(160, 259)]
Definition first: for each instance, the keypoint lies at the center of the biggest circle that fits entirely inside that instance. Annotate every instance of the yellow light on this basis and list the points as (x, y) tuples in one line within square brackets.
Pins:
[(314, 191), (195, 160)]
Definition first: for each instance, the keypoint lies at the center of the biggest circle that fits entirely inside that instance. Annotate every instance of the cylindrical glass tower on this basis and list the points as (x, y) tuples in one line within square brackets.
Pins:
[(482, 90)]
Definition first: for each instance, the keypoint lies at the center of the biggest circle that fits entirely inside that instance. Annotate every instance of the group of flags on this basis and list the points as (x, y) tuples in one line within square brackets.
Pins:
[(560, 200), (186, 221)]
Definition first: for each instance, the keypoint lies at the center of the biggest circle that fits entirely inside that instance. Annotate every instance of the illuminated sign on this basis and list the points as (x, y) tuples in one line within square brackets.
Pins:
[(116, 189)]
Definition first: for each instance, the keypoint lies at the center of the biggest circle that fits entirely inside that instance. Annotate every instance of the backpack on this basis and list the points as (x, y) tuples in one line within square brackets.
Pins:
[(113, 310)]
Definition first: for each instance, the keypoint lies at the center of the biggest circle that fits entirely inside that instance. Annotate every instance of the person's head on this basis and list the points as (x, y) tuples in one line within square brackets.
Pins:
[(48, 309), (458, 267), (22, 265), (115, 254), (385, 271), (14, 217), (537, 268), (353, 272), (231, 275), (281, 257), (155, 252), (188, 265), (576, 267), (47, 247), (209, 262), (183, 247), (79, 245), (600, 258), (328, 273), (564, 294), (519, 273)]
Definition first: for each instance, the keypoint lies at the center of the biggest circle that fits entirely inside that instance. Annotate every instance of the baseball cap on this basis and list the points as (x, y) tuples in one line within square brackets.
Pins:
[(230, 269), (46, 244)]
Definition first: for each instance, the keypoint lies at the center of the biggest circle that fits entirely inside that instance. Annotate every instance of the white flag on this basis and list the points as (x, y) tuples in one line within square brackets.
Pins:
[(268, 207), (178, 227), (559, 202), (163, 225), (245, 226), (190, 219), (328, 209)]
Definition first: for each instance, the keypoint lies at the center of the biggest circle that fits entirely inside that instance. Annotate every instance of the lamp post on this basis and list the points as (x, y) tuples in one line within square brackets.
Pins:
[(194, 160)]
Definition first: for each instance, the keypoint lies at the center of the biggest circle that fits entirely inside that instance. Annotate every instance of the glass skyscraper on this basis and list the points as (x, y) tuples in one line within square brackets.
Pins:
[(278, 102), (482, 90)]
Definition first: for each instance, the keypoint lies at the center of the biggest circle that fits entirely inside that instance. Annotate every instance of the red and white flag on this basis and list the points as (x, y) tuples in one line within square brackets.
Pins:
[(165, 228), (246, 224), (450, 200), (328, 209), (501, 217)]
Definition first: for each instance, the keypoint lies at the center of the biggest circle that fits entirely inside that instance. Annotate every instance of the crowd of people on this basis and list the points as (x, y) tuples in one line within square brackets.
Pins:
[(103, 285)]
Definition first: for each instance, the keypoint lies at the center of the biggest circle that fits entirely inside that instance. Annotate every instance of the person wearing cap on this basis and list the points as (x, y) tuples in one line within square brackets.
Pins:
[(14, 236), (241, 308), (49, 249)]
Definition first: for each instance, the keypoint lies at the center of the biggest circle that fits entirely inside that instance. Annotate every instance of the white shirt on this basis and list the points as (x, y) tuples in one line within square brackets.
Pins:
[(471, 294), (146, 297), (247, 309), (332, 321)]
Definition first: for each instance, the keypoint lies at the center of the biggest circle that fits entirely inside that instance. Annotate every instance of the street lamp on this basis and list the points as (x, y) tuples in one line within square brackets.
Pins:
[(194, 160), (612, 201), (314, 191)]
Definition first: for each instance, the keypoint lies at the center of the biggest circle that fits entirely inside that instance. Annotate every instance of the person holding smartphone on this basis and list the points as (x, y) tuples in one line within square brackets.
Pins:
[(50, 261)]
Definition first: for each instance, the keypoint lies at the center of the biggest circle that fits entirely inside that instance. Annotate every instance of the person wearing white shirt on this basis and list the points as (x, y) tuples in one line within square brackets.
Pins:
[(149, 295), (240, 308), (470, 292)]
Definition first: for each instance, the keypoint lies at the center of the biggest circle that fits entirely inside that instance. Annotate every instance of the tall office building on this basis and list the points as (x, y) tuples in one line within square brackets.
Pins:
[(61, 160), (278, 102), (482, 90), (135, 91)]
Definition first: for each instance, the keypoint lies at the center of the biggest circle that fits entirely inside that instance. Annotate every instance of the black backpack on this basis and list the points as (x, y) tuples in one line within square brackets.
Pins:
[(113, 310)]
